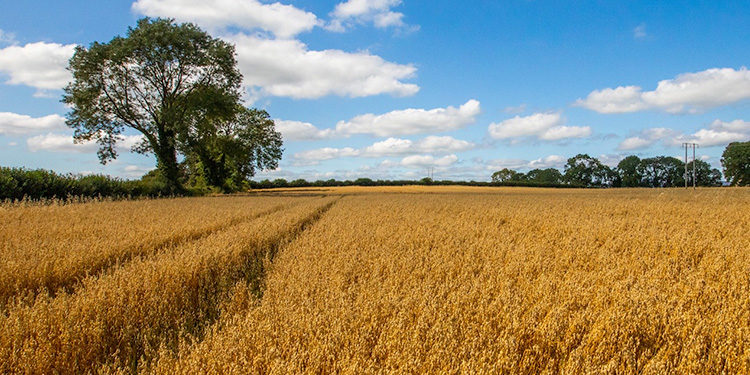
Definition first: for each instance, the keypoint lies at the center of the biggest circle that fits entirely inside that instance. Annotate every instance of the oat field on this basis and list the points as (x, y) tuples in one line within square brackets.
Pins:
[(381, 280)]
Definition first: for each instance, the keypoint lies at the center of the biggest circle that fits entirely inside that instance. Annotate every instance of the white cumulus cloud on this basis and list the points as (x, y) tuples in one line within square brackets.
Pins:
[(16, 124), (423, 161), (737, 126), (378, 12), (634, 143), (645, 139), (326, 153), (301, 131), (288, 68), (411, 121), (64, 143), (40, 65), (713, 137), (387, 148), (718, 133), (431, 145), (284, 21), (686, 93), (543, 126), (550, 161)]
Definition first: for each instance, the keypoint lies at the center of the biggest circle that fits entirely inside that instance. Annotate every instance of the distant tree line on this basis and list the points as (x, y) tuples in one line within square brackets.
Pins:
[(283, 183), (632, 171), (580, 171)]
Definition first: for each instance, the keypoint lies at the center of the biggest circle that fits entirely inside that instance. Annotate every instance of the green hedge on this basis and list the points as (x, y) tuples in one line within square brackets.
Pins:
[(21, 183)]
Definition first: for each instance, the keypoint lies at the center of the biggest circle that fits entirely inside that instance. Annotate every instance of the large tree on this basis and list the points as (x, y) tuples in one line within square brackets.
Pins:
[(736, 163), (585, 170), (704, 174), (154, 81), (228, 151), (662, 171), (545, 176), (628, 171)]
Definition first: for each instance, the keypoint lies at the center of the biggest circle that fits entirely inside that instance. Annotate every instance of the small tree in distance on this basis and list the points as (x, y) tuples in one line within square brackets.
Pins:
[(704, 174), (505, 175), (545, 176)]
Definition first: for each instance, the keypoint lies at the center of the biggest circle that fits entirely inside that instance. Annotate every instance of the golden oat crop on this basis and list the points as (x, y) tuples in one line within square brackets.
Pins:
[(119, 317), (52, 247), (417, 280), (501, 281)]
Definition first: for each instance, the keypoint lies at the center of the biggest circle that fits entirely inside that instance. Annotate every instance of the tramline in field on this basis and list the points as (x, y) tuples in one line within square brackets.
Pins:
[(413, 279)]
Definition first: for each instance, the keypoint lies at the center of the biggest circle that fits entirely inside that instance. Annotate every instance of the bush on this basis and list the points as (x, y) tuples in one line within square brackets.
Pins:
[(21, 183)]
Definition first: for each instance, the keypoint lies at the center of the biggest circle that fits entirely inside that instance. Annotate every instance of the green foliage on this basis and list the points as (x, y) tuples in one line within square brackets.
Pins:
[(628, 171), (281, 183), (584, 170), (664, 171), (704, 174), (736, 163), (19, 183), (545, 176), (507, 175), (159, 80), (661, 171), (228, 151), (370, 182)]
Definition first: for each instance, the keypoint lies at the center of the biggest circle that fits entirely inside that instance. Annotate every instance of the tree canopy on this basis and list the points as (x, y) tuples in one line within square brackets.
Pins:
[(178, 87), (227, 152), (545, 176), (585, 170), (662, 171), (736, 163), (704, 174), (506, 175), (628, 171)]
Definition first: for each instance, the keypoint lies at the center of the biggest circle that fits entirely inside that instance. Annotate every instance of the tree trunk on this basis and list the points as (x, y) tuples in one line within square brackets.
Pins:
[(166, 158)]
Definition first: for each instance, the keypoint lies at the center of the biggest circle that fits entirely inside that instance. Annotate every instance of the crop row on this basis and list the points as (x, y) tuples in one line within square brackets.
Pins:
[(119, 320), (46, 248), (545, 282)]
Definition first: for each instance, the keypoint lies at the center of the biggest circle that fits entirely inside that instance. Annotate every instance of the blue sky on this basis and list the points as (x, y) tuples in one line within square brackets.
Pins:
[(390, 88)]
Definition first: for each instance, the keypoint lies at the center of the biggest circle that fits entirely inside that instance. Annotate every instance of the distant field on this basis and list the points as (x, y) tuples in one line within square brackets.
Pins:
[(386, 279)]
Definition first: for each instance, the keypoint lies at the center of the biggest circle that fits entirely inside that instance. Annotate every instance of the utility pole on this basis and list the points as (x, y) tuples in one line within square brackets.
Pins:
[(687, 145), (694, 165), (685, 174)]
